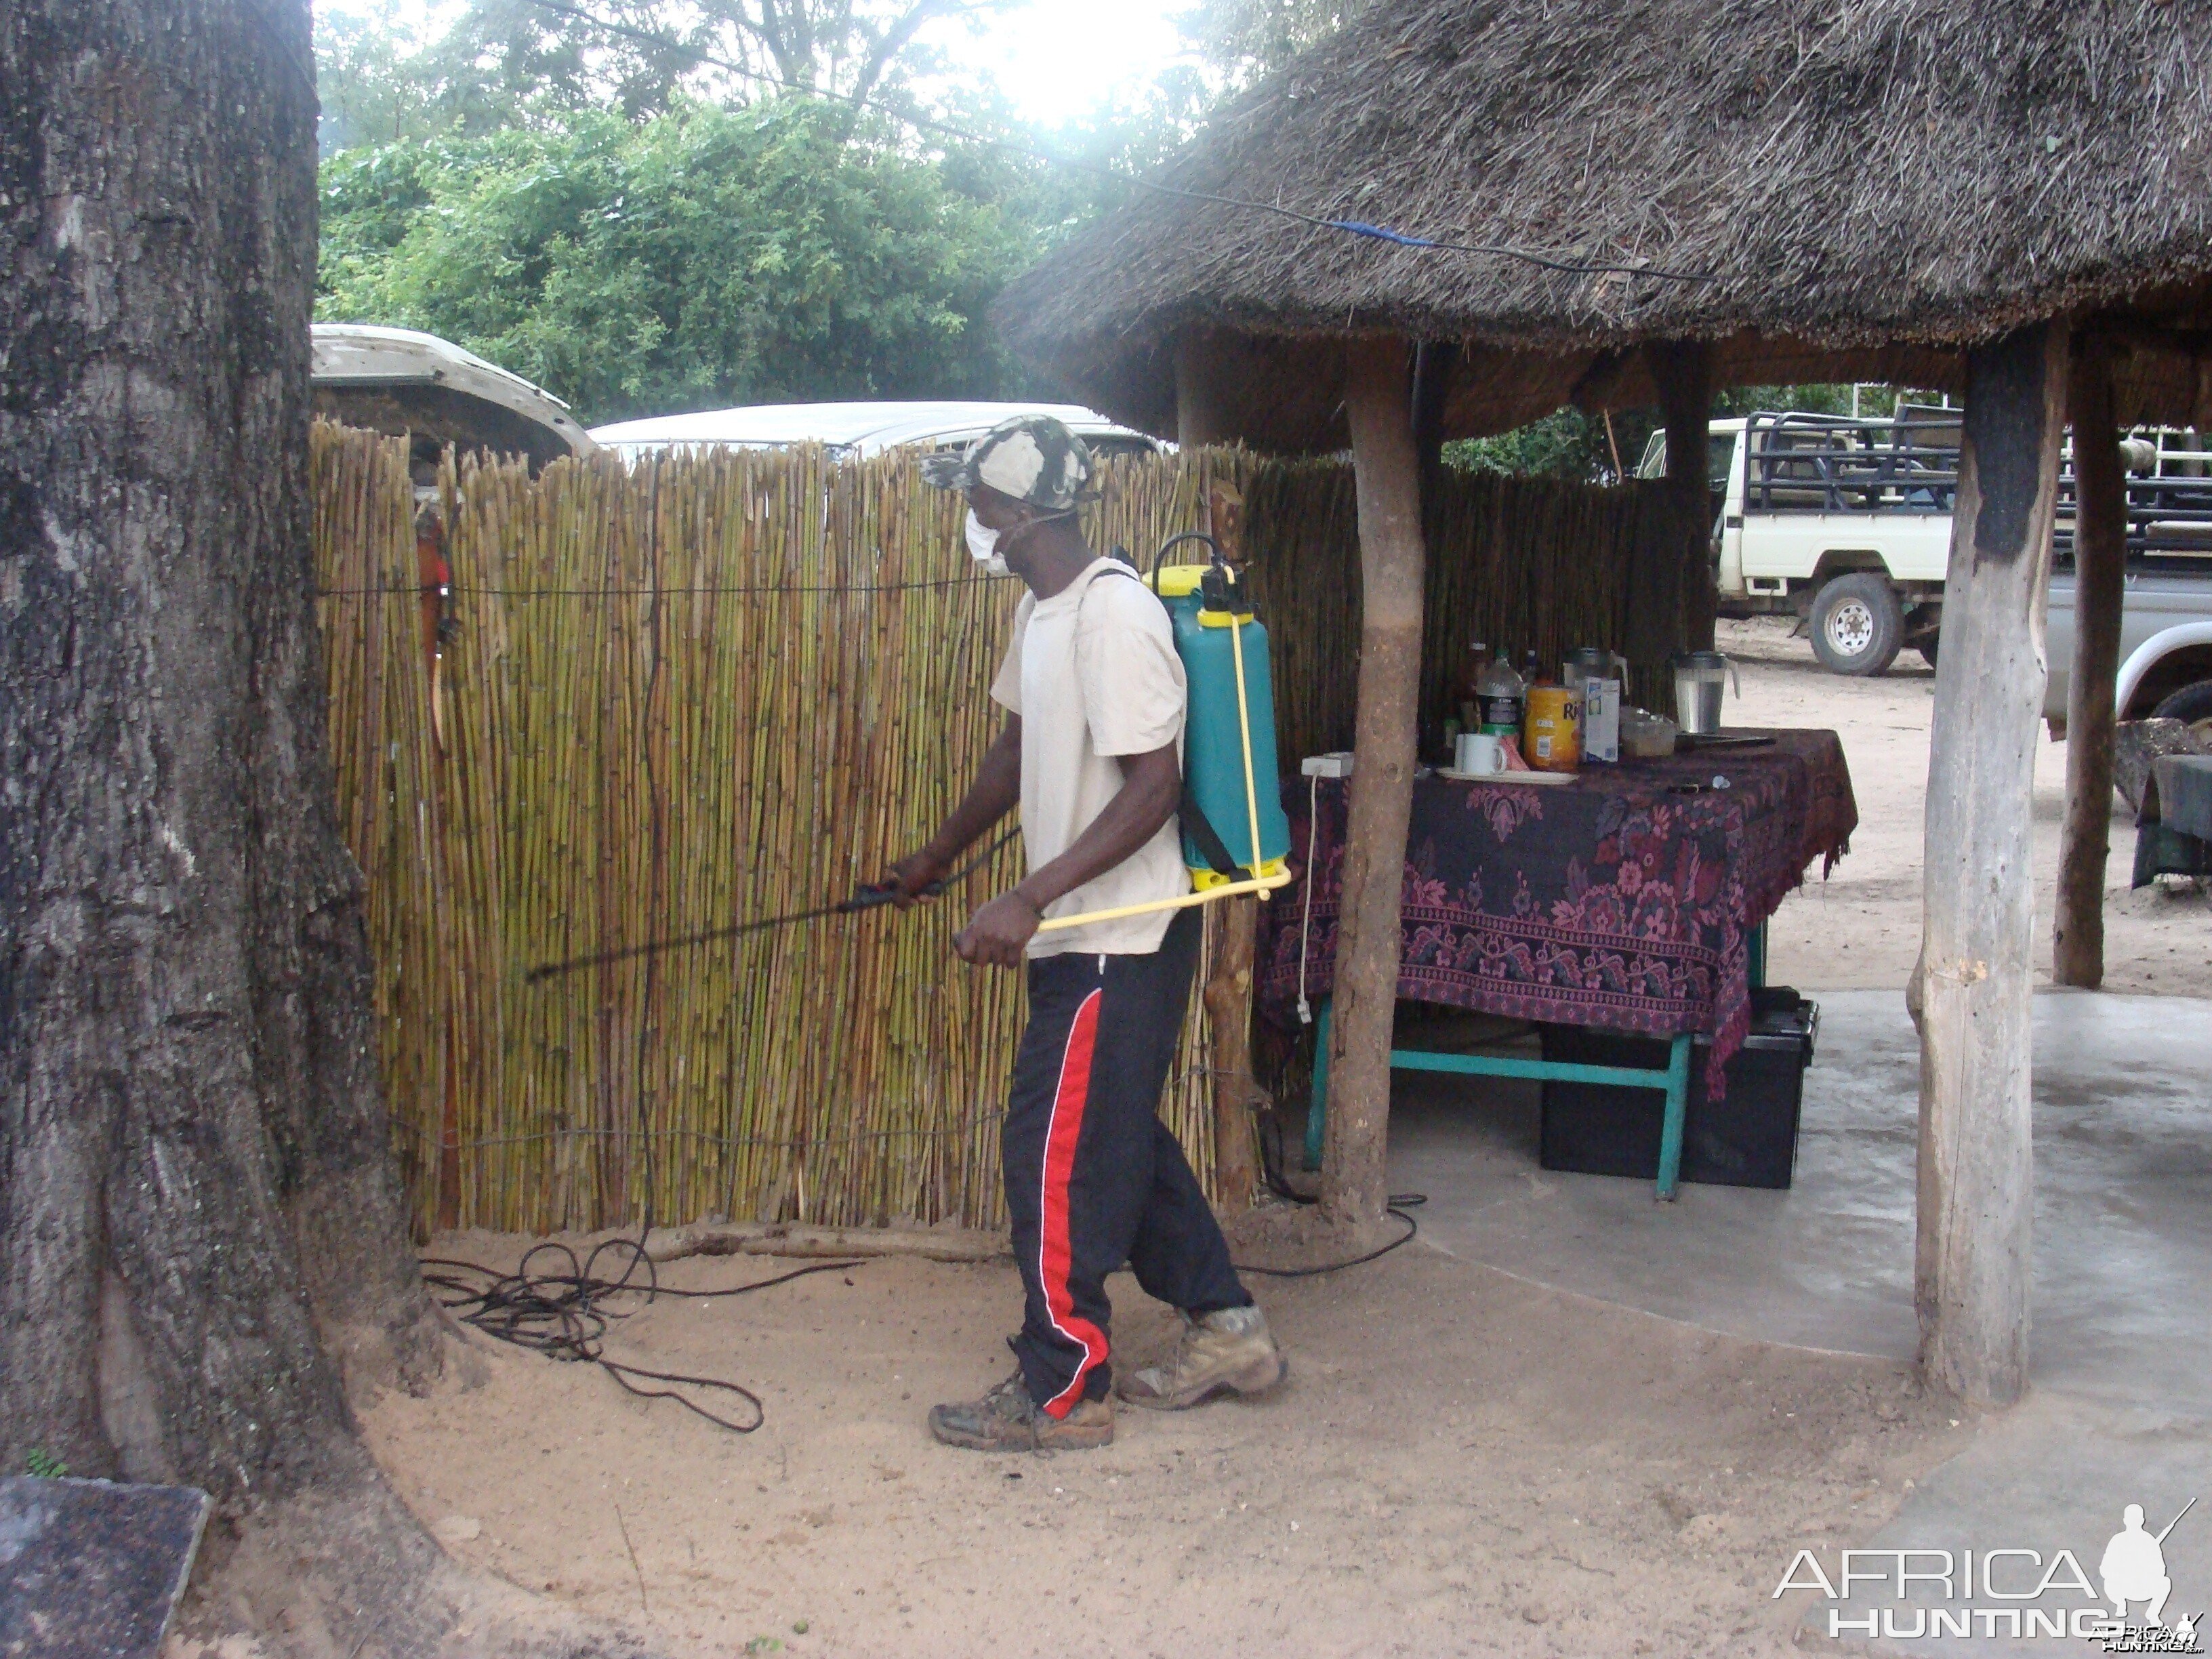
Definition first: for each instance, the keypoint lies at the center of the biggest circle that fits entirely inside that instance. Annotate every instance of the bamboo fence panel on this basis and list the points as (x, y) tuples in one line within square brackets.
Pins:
[(721, 687)]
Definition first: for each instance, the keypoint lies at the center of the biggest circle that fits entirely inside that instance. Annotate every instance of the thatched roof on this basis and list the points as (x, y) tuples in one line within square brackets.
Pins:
[(1868, 184)]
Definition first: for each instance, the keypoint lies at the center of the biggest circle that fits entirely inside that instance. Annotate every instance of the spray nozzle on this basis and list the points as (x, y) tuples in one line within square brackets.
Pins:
[(1222, 587)]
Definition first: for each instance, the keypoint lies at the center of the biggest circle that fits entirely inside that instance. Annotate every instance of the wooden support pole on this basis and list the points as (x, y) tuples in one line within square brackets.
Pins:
[(1201, 416), (2101, 546), (1975, 1196), (1434, 364), (1378, 404), (1683, 372), (1200, 419)]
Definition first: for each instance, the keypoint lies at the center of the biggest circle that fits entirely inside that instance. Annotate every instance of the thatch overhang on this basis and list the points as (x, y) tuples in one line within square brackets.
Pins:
[(1870, 185)]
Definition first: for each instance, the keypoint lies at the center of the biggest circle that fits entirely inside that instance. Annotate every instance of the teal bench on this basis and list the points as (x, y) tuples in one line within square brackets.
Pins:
[(1673, 1082)]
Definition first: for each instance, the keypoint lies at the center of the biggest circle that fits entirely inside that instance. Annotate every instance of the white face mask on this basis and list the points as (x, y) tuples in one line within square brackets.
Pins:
[(983, 546)]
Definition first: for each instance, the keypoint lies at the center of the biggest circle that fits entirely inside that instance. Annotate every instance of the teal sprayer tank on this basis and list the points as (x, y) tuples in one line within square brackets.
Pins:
[(1214, 626)]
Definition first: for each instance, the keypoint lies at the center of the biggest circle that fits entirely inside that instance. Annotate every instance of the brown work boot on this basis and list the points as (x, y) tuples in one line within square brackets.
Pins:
[(1229, 1351), (1007, 1419)]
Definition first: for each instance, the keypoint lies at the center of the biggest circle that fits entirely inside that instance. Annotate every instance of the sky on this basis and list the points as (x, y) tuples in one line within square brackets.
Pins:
[(1055, 59)]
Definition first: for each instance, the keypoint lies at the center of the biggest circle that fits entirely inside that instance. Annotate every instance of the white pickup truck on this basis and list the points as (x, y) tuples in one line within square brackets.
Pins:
[(1846, 524)]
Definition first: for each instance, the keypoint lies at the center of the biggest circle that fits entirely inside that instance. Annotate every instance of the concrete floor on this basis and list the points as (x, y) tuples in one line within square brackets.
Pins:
[(2122, 1406)]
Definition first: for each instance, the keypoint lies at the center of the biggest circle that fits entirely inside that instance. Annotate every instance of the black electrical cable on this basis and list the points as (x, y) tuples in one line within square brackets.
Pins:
[(422, 589), (1351, 226), (563, 1315), (866, 898), (1401, 1205)]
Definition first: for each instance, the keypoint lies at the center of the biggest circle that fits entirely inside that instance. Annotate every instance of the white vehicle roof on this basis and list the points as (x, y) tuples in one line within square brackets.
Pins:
[(362, 355), (866, 428)]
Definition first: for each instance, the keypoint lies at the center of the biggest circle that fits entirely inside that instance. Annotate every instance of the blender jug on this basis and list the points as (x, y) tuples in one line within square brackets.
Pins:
[(1698, 685), (1592, 662)]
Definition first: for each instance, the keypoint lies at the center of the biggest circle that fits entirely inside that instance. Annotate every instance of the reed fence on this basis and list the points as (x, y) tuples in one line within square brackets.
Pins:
[(727, 686)]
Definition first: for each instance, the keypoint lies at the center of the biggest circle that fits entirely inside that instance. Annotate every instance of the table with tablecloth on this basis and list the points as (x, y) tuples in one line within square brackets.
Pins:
[(1627, 898)]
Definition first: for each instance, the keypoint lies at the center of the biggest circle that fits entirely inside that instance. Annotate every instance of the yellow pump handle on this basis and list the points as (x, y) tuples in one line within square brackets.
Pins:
[(1244, 731)]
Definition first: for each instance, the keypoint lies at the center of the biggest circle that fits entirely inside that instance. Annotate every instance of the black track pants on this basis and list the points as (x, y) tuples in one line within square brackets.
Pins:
[(1093, 1177)]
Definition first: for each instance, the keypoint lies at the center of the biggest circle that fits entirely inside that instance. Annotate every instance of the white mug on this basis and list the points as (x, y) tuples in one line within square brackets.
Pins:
[(1481, 754)]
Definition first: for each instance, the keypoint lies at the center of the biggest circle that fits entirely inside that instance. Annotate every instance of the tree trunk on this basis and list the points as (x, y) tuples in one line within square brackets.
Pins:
[(202, 1236), (1976, 1179), (1377, 400), (2101, 546), (1684, 375)]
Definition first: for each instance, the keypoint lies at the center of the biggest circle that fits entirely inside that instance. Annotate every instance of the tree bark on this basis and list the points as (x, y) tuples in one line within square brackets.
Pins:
[(1392, 561), (2101, 546), (1973, 1266), (202, 1236), (1684, 375)]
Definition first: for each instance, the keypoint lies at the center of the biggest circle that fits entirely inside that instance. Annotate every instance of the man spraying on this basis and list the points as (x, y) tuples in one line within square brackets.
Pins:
[(1090, 752)]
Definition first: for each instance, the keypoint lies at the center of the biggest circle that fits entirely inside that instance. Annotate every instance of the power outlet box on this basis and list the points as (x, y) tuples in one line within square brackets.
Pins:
[(1335, 765)]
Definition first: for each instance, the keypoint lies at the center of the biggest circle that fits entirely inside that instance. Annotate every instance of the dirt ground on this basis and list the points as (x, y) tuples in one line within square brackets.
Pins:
[(1462, 1463)]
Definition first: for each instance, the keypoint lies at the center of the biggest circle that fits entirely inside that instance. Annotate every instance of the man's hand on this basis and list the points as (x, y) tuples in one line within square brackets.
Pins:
[(908, 878), (997, 934)]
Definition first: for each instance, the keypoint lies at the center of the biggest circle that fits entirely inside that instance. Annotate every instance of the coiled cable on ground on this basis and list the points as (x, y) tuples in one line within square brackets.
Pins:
[(559, 1309)]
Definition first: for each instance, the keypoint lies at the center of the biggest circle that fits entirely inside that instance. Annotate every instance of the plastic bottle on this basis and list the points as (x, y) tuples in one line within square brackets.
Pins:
[(1500, 698)]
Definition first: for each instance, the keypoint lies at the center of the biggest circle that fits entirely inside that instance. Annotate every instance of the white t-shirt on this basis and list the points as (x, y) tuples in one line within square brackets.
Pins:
[(1093, 673)]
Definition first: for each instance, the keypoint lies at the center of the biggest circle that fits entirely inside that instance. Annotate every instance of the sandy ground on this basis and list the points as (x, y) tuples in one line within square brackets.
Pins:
[(1860, 929), (1462, 1463)]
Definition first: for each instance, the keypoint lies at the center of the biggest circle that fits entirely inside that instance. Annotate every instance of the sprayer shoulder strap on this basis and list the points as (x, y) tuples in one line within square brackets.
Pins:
[(1203, 836)]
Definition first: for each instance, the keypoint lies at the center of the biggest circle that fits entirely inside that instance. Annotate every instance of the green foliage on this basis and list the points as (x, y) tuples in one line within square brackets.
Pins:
[(507, 63), (371, 84), (698, 258), (45, 1465), (1565, 444), (599, 207), (1569, 444)]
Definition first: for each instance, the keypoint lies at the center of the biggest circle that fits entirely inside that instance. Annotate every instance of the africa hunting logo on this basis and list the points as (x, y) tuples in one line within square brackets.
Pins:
[(1984, 1594)]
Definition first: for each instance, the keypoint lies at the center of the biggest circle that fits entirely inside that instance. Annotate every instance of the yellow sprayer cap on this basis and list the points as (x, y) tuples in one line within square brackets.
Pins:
[(1178, 582)]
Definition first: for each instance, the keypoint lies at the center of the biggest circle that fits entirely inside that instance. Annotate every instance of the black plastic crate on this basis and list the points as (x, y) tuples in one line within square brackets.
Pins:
[(1746, 1138)]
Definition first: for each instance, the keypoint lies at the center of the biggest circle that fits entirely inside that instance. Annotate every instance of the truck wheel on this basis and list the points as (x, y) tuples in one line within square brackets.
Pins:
[(1857, 624), (2192, 704), (1927, 648)]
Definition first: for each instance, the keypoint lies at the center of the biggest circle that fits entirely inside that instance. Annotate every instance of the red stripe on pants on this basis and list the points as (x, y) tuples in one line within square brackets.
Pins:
[(1053, 1250)]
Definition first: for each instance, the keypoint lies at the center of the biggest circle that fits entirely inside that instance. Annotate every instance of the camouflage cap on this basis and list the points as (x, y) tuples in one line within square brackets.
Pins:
[(1031, 458)]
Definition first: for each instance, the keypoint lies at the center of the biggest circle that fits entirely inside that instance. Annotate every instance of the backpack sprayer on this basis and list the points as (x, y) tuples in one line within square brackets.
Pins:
[(1228, 742), (1235, 836)]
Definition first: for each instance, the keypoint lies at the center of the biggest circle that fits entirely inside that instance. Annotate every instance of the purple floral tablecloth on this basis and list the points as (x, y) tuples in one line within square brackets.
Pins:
[(1625, 899)]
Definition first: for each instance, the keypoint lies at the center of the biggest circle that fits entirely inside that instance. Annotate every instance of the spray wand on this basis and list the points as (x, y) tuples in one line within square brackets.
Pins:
[(867, 897)]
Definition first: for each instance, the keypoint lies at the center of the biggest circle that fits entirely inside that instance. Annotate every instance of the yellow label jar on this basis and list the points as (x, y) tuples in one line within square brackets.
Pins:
[(1551, 740)]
